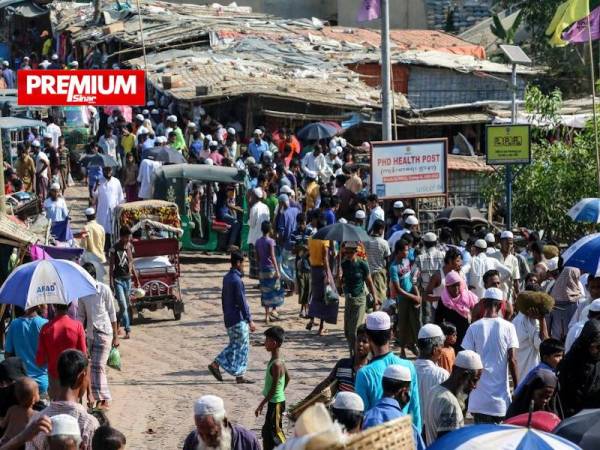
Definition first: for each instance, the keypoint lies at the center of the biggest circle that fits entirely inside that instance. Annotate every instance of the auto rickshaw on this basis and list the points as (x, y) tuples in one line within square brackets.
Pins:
[(156, 230), (177, 182)]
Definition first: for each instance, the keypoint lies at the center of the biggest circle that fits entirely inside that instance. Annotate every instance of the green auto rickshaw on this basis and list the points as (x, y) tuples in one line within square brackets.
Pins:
[(201, 191)]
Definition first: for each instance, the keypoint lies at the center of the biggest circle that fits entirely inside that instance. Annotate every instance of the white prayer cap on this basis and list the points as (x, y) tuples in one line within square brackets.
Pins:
[(348, 401), (285, 189), (552, 264), (342, 220), (258, 192), (231, 131), (595, 305), (397, 372), (333, 151), (360, 214), (89, 211), (493, 294), (35, 143), (408, 212), (25, 58), (378, 321), (172, 118), (208, 137), (54, 57), (191, 125), (209, 405), (507, 235), (258, 131), (140, 117), (47, 136), (74, 63), (209, 162), (342, 142), (284, 198), (45, 63), (430, 237), (250, 160), (161, 139), (150, 103), (490, 238), (398, 204), (480, 243), (65, 425), (55, 187), (430, 330), (145, 112), (468, 359), (142, 130), (411, 220), (154, 111), (268, 155)]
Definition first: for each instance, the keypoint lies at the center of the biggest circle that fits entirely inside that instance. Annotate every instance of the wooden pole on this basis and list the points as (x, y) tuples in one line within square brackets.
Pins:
[(594, 113), (142, 37)]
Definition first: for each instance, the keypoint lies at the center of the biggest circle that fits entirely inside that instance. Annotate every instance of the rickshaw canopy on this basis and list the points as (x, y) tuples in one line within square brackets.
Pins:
[(129, 214), (202, 172), (13, 123)]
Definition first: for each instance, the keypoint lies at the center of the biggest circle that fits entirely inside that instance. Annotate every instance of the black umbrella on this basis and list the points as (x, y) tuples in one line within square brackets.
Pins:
[(317, 131), (582, 429), (166, 155), (98, 160), (464, 214), (342, 232)]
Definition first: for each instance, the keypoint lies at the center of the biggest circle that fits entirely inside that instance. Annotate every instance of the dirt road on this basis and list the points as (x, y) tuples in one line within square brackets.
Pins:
[(165, 362)]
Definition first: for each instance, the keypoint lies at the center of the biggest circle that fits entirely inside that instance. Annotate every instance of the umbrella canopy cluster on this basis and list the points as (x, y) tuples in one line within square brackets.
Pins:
[(460, 215), (342, 232), (166, 155), (98, 160), (318, 130)]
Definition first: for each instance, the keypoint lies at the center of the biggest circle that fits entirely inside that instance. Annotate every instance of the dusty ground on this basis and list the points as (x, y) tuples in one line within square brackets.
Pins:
[(165, 362)]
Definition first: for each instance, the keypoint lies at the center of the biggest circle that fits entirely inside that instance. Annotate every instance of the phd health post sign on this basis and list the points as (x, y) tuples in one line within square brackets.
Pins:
[(508, 144), (405, 169)]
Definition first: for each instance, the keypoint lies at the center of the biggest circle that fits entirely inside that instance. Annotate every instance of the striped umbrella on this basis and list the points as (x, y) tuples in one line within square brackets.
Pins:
[(584, 254), (586, 210), (504, 437)]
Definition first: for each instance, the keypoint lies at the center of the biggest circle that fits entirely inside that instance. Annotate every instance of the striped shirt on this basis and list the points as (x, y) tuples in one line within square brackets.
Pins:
[(378, 251), (87, 424), (345, 375)]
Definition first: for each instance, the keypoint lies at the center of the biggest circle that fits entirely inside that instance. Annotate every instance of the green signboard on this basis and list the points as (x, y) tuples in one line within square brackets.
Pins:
[(508, 144)]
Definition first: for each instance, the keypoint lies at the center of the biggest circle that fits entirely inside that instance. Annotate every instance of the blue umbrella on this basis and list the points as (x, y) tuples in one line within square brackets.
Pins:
[(317, 131), (584, 254), (504, 437), (586, 210), (41, 282)]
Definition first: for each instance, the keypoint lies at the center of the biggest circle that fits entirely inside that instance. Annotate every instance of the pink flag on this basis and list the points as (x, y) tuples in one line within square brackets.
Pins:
[(369, 10), (578, 33)]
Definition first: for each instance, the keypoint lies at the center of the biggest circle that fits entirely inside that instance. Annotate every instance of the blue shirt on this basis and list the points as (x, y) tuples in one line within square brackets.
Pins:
[(530, 375), (257, 150), (329, 216), (368, 384), (94, 173), (393, 229), (386, 410), (233, 299), (196, 147), (285, 223), (22, 339)]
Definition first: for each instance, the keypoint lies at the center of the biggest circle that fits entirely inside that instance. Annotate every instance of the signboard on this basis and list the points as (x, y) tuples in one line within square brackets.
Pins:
[(404, 169), (508, 144), (81, 87)]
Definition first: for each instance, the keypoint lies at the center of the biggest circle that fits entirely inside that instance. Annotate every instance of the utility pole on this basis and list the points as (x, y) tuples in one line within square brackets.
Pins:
[(386, 109), (509, 180)]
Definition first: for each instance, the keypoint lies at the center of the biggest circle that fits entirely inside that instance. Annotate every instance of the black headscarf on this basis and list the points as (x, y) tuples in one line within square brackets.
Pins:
[(579, 372), (521, 402)]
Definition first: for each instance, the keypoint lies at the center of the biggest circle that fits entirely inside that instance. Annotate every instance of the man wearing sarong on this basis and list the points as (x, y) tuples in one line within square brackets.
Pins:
[(259, 212), (238, 321), (99, 315), (272, 295), (378, 252)]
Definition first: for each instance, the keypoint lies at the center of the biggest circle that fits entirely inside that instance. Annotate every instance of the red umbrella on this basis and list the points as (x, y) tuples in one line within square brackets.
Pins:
[(540, 420)]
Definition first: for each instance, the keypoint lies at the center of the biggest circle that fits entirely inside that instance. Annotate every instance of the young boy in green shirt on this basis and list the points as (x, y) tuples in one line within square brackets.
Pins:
[(276, 380)]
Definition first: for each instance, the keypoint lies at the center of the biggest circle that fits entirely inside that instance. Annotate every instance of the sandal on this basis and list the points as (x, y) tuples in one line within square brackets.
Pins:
[(242, 380), (215, 372), (309, 326)]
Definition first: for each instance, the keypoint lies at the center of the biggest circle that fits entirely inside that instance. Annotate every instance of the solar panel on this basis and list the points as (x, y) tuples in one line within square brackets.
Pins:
[(515, 54)]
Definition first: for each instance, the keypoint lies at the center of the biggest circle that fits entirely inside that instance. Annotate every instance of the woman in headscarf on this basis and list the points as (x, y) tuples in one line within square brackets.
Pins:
[(579, 372), (455, 305), (539, 390), (566, 293)]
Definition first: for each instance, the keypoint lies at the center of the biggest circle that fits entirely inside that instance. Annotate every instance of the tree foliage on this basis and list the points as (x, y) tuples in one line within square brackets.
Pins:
[(506, 35)]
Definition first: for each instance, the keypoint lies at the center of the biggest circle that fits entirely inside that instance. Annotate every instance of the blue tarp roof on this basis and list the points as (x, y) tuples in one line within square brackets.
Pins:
[(19, 122)]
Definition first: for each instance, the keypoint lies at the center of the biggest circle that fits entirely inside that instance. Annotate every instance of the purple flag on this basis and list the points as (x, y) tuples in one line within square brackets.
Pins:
[(369, 10), (578, 33)]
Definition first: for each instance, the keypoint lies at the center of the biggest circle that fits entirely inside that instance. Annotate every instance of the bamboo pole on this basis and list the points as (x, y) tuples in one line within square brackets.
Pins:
[(594, 113)]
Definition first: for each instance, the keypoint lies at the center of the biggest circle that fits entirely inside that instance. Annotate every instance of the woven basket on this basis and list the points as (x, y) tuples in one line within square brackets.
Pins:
[(324, 396), (394, 435)]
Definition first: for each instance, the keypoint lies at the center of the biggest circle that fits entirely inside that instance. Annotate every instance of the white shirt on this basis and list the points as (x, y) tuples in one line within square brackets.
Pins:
[(41, 156), (108, 145), (56, 210), (479, 265), (146, 176), (528, 354), (396, 237), (109, 194), (491, 339), (99, 310), (573, 334), (429, 375), (376, 213), (314, 165), (54, 130), (442, 413), (511, 263), (258, 214)]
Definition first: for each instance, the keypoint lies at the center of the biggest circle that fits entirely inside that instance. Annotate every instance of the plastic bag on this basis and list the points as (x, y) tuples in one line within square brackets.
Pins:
[(114, 358)]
